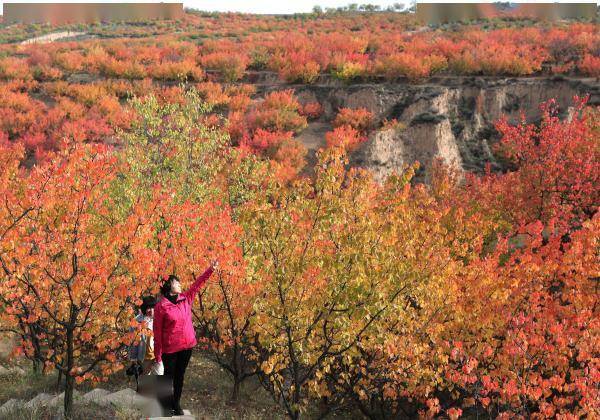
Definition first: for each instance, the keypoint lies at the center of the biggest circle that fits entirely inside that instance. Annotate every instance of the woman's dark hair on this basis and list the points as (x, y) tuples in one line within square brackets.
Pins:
[(147, 303), (165, 289)]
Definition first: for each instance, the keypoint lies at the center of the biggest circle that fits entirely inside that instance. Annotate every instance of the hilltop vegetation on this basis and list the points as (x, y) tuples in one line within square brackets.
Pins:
[(79, 89)]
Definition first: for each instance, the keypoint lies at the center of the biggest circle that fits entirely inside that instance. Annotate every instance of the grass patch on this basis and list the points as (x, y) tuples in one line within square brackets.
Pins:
[(25, 387)]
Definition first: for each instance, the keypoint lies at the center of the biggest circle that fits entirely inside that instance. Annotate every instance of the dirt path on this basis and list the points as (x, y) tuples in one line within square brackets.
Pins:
[(313, 137), (52, 37)]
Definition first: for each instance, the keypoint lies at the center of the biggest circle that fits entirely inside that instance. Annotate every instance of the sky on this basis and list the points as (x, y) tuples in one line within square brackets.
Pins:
[(284, 6), (298, 6), (246, 6), (270, 6)]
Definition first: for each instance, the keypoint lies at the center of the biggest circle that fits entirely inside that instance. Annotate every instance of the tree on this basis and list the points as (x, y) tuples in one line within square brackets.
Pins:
[(169, 145), (64, 265), (538, 280), (555, 170), (341, 273), (370, 8), (79, 231), (535, 353), (396, 364), (10, 214)]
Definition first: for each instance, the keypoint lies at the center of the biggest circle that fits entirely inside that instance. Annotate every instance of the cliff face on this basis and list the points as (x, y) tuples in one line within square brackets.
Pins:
[(449, 118)]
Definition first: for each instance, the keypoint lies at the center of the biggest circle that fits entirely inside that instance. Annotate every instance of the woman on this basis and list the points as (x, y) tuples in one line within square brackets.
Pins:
[(143, 351), (174, 335)]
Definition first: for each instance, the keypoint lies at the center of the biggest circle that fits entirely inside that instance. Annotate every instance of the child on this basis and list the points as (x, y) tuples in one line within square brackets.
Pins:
[(143, 352)]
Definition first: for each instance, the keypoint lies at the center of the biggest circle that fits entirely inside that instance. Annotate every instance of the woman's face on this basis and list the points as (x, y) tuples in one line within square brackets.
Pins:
[(175, 287)]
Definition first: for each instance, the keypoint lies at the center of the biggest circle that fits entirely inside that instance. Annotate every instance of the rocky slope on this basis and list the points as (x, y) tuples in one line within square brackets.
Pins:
[(452, 118)]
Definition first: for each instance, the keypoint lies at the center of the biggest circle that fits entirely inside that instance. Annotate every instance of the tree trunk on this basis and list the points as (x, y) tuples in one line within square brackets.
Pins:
[(295, 414), (37, 353), (36, 365), (58, 381), (236, 374), (69, 379), (70, 385), (236, 389)]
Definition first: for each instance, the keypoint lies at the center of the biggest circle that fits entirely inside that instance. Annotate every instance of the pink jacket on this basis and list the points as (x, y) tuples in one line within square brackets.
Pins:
[(172, 325)]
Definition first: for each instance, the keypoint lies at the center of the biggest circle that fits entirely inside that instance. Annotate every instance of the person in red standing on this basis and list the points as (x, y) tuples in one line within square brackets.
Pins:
[(174, 334)]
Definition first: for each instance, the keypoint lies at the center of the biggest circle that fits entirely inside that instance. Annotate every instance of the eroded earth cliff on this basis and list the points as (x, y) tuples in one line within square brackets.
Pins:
[(451, 118)]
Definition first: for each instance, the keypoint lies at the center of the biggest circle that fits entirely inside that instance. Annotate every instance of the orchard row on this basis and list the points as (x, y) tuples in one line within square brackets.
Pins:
[(299, 53)]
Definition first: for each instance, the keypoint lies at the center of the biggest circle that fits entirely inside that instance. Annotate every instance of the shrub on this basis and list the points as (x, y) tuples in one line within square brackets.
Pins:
[(259, 58), (291, 156), (359, 119), (277, 112), (237, 127), (14, 68), (349, 71), (344, 136), (39, 57), (88, 94), (402, 64), (172, 71), (69, 61), (301, 73), (46, 73), (239, 102), (213, 93), (312, 110), (562, 48), (589, 65), (266, 141), (392, 124), (230, 66), (514, 60), (127, 69), (562, 68)]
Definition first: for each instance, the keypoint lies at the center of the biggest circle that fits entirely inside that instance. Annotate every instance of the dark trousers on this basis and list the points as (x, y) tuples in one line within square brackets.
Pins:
[(175, 365)]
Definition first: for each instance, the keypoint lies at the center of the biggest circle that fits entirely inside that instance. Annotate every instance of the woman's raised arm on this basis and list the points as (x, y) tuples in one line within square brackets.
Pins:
[(190, 294)]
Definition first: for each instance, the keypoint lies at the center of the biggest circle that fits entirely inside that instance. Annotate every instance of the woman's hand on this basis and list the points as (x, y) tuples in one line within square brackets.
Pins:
[(215, 265)]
